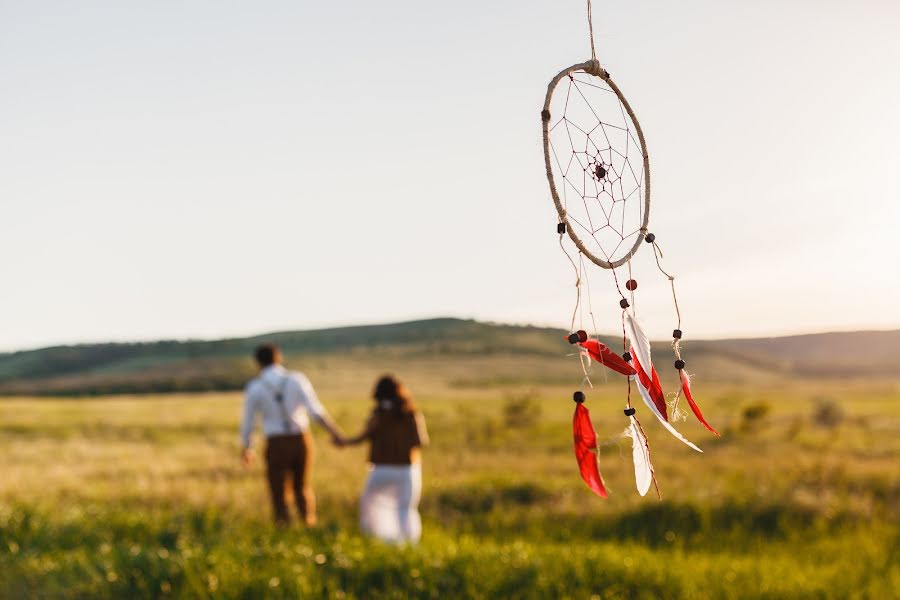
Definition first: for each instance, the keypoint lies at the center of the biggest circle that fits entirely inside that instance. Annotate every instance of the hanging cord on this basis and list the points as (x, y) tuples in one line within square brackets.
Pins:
[(676, 342), (630, 277), (591, 31), (587, 284), (657, 254), (584, 353), (577, 282), (585, 368)]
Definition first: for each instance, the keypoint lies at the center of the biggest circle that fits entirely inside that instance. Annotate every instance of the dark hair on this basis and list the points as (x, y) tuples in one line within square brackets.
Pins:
[(265, 354), (393, 396)]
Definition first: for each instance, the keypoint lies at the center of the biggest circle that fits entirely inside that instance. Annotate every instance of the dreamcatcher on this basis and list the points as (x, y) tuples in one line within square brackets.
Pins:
[(599, 174)]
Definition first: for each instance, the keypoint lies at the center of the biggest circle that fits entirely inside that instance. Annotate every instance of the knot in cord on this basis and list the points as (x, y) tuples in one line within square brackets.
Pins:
[(593, 68)]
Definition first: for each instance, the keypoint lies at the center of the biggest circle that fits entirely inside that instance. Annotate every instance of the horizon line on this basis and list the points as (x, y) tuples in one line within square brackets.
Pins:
[(189, 339)]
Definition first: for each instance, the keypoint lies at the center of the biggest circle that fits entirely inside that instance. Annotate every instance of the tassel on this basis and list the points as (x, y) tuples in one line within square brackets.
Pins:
[(643, 470), (585, 445), (640, 343), (601, 353), (645, 394), (652, 384), (686, 388)]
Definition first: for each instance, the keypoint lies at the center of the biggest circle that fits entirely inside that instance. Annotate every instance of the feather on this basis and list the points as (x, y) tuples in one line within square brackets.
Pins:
[(640, 343), (585, 444), (651, 382), (686, 388), (601, 353), (645, 394), (643, 470)]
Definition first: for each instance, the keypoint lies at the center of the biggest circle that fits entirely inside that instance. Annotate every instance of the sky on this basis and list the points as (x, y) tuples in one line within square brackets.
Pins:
[(204, 169)]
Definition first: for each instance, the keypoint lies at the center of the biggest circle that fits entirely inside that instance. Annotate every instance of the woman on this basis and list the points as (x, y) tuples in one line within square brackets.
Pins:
[(389, 507)]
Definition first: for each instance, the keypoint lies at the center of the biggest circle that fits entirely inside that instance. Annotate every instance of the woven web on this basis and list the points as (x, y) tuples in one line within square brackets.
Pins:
[(598, 165)]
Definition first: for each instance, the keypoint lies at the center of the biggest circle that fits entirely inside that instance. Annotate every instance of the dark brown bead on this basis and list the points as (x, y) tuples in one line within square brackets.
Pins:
[(679, 364), (629, 411), (650, 238), (578, 397), (624, 303), (631, 285), (560, 228), (626, 356), (582, 335), (676, 334)]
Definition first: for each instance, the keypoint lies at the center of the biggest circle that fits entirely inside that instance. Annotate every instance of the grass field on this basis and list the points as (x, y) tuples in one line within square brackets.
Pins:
[(126, 497)]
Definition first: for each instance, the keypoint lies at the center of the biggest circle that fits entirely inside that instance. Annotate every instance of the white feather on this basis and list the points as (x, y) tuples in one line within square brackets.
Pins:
[(649, 402), (643, 470), (640, 343)]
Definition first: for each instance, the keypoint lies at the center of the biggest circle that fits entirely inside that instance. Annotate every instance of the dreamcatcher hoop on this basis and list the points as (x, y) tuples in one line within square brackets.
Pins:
[(592, 67)]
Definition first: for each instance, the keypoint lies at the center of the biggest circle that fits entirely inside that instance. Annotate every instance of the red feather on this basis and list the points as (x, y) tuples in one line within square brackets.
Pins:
[(585, 443), (686, 388), (653, 386), (606, 357)]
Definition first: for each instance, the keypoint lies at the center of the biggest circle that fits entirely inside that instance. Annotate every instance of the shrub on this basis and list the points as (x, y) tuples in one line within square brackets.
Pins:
[(521, 411), (827, 412), (754, 414)]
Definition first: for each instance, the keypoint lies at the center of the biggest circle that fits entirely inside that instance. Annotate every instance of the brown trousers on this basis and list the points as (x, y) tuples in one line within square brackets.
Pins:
[(291, 455)]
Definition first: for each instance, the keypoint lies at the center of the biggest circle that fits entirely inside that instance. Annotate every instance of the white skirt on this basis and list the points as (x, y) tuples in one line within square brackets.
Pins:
[(389, 507)]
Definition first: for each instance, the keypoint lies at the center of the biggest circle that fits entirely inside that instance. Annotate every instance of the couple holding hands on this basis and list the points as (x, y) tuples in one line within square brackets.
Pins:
[(395, 431)]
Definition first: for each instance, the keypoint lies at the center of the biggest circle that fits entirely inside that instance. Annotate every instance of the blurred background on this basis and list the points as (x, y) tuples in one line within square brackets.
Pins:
[(363, 184)]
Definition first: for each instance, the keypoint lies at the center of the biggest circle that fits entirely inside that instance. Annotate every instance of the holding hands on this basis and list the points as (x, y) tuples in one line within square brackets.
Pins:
[(246, 457)]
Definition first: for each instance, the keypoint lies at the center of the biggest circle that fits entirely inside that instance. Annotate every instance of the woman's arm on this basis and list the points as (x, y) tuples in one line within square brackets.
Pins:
[(366, 434), (421, 430)]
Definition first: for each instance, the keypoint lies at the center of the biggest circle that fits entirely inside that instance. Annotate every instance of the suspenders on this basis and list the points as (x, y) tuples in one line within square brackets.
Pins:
[(279, 400)]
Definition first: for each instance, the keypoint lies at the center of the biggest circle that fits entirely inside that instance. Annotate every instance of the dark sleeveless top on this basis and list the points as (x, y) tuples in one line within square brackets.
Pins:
[(392, 435)]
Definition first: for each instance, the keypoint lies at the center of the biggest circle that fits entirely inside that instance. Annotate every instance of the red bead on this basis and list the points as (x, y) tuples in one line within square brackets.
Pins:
[(631, 285)]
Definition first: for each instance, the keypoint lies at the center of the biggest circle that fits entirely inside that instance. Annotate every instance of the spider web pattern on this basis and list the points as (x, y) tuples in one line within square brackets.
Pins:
[(598, 165)]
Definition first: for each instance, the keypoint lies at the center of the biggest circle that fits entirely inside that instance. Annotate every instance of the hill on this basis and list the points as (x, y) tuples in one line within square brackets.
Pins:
[(452, 347)]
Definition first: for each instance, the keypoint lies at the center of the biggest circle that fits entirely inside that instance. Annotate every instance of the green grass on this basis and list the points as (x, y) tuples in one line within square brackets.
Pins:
[(143, 497)]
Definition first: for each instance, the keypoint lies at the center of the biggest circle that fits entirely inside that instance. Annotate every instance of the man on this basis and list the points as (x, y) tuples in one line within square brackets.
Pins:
[(286, 400)]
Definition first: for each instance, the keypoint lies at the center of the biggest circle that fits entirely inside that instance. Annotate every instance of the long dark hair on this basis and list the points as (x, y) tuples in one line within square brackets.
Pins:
[(392, 396)]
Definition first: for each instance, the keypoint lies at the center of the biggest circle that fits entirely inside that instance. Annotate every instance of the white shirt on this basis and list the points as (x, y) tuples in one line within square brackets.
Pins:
[(299, 401)]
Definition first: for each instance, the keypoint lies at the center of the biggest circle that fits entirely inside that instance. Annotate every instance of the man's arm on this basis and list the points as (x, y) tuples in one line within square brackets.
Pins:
[(247, 427), (366, 434), (316, 410)]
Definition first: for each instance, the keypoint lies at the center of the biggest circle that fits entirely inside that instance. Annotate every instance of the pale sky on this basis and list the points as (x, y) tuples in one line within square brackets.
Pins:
[(204, 169)]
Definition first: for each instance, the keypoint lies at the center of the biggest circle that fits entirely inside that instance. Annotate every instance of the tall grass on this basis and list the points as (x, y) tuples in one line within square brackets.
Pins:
[(143, 497)]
